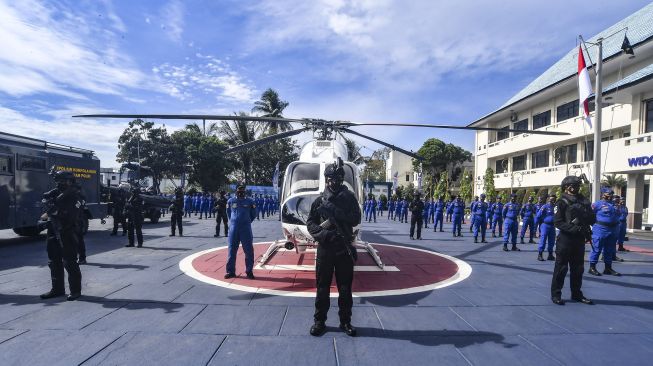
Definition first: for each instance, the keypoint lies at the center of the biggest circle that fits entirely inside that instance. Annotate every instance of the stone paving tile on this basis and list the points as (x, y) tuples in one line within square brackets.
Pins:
[(7, 334), (158, 349), (299, 320), (241, 320), (54, 347), (507, 320), (421, 320), (594, 319), (595, 349), (274, 350), (148, 317)]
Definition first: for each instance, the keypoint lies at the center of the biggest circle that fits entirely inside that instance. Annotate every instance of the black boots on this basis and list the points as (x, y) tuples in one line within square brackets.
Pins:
[(515, 249), (348, 328), (73, 296), (609, 271), (250, 275), (505, 247), (539, 257), (583, 300), (318, 329), (52, 294), (550, 257), (593, 270)]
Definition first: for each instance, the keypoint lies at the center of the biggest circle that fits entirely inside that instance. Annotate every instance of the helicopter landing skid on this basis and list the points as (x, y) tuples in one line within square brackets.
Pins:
[(372, 252), (276, 245)]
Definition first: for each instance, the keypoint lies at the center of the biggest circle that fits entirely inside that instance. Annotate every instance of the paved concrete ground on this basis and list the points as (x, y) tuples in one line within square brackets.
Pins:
[(139, 308)]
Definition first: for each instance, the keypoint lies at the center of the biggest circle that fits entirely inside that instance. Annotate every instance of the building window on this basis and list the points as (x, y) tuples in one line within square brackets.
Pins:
[(502, 135), (5, 165), (501, 166), (113, 177), (541, 120), (648, 124), (521, 125), (566, 154), (589, 151), (31, 163), (567, 110), (540, 159), (407, 177), (519, 163)]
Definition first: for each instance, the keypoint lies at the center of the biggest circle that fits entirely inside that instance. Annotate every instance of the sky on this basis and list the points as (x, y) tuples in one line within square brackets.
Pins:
[(419, 61)]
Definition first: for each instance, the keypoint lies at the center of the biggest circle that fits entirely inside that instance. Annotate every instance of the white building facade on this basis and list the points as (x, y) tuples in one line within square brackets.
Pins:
[(551, 103)]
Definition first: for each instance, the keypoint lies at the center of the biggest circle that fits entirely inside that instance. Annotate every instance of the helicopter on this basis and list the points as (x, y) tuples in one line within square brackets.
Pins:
[(303, 181)]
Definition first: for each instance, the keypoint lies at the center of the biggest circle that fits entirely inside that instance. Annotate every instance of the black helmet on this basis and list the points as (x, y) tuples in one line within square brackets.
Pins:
[(241, 188), (570, 181), (222, 192), (335, 170), (62, 175)]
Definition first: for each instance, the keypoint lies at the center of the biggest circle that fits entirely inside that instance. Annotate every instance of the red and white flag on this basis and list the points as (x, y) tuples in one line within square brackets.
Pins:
[(584, 87)]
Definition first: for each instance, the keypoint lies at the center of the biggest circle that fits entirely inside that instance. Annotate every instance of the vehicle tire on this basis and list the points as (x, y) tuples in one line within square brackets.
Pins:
[(27, 231)]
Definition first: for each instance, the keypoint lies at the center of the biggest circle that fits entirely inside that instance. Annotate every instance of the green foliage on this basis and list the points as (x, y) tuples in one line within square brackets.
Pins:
[(271, 105), (504, 194), (383, 199), (488, 179), (265, 159), (399, 193), (408, 192), (585, 190), (466, 187), (442, 187), (353, 151), (521, 193), (210, 167), (557, 191), (613, 181), (237, 133), (528, 193), (374, 170)]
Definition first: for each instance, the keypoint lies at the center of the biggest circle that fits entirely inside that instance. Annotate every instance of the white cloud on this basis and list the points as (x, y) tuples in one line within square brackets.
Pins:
[(204, 74), (172, 18), (48, 49)]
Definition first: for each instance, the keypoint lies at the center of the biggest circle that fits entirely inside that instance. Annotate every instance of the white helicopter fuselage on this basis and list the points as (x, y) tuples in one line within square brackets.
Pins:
[(304, 182)]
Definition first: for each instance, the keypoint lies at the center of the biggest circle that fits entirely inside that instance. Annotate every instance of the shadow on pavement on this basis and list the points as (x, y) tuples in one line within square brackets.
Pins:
[(458, 339)]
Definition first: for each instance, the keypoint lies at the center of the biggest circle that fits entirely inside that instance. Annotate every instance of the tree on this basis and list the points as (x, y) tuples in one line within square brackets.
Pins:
[(439, 156), (374, 170), (521, 193), (615, 182), (271, 105), (399, 194), (353, 151), (466, 187), (265, 158), (195, 127), (489, 184), (442, 187), (210, 167), (237, 133)]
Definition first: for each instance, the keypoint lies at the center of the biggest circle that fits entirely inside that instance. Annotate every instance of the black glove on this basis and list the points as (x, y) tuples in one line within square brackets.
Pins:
[(326, 210)]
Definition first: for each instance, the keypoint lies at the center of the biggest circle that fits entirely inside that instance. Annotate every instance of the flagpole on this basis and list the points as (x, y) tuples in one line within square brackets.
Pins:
[(596, 186)]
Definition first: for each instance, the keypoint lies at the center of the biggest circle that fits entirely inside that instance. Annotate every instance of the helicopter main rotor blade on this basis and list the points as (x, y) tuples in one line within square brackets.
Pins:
[(210, 117), (393, 147), (534, 132), (265, 140)]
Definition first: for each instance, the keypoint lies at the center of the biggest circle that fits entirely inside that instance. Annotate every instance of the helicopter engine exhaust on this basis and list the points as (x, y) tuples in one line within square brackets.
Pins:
[(289, 245)]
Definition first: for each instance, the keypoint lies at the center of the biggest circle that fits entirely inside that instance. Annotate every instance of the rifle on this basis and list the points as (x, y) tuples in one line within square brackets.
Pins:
[(50, 216)]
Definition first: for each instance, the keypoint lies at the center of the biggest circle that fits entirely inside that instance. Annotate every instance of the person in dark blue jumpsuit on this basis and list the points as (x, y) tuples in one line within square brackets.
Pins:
[(404, 210), (457, 210), (438, 208), (204, 206), (426, 213), (211, 204), (480, 219), (623, 217), (545, 218), (379, 207), (510, 216), (489, 215), (448, 212), (188, 205), (541, 201), (604, 232), (527, 214), (371, 209), (472, 207), (241, 212), (497, 217), (398, 205), (196, 203), (391, 209)]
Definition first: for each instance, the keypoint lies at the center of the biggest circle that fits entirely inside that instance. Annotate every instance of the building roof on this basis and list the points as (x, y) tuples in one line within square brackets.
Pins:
[(640, 30)]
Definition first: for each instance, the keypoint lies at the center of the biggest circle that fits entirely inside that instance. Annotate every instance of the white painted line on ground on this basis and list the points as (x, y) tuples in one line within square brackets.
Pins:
[(311, 268)]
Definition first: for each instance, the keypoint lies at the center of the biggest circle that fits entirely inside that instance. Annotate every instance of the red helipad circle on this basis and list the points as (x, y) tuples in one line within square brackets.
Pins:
[(406, 270)]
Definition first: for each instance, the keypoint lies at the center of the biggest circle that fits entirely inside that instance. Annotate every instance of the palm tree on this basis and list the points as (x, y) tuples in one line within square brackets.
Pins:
[(237, 133), (353, 151), (271, 105), (195, 128), (613, 181)]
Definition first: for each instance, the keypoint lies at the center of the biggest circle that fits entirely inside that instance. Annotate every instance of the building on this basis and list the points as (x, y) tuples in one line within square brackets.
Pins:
[(550, 102), (111, 177)]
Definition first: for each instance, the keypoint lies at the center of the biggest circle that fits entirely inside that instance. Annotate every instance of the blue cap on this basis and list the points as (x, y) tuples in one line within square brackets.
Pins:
[(483, 195), (606, 190)]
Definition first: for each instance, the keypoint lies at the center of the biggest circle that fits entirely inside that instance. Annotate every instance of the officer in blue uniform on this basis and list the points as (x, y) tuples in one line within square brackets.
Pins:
[(391, 209), (472, 207), (188, 205), (527, 214), (510, 216), (449, 212), (241, 212), (480, 218), (489, 215), (623, 217), (604, 232), (379, 207), (457, 210), (372, 209), (258, 201), (438, 208), (196, 204), (541, 201), (204, 206), (545, 218), (426, 213), (211, 204), (497, 217), (404, 210), (398, 205)]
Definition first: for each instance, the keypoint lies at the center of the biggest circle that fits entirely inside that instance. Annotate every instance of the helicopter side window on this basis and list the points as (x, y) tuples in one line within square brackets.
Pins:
[(305, 177), (349, 179)]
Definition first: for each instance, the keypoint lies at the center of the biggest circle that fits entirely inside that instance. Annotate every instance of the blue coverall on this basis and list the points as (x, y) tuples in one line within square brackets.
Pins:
[(472, 207), (527, 214), (188, 205), (370, 211), (439, 214), (457, 209), (497, 218), (480, 219), (426, 213), (404, 211), (510, 216), (547, 230), (391, 209), (241, 213), (604, 232), (204, 207), (623, 216)]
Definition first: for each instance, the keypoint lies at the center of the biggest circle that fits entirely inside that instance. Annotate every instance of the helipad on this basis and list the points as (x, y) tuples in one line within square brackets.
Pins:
[(407, 270)]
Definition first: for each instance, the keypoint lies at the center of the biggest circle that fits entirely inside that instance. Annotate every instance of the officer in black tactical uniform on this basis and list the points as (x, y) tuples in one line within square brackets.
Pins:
[(220, 210), (416, 208), (177, 212), (134, 214), (331, 222), (573, 217), (117, 208), (81, 226), (62, 215)]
